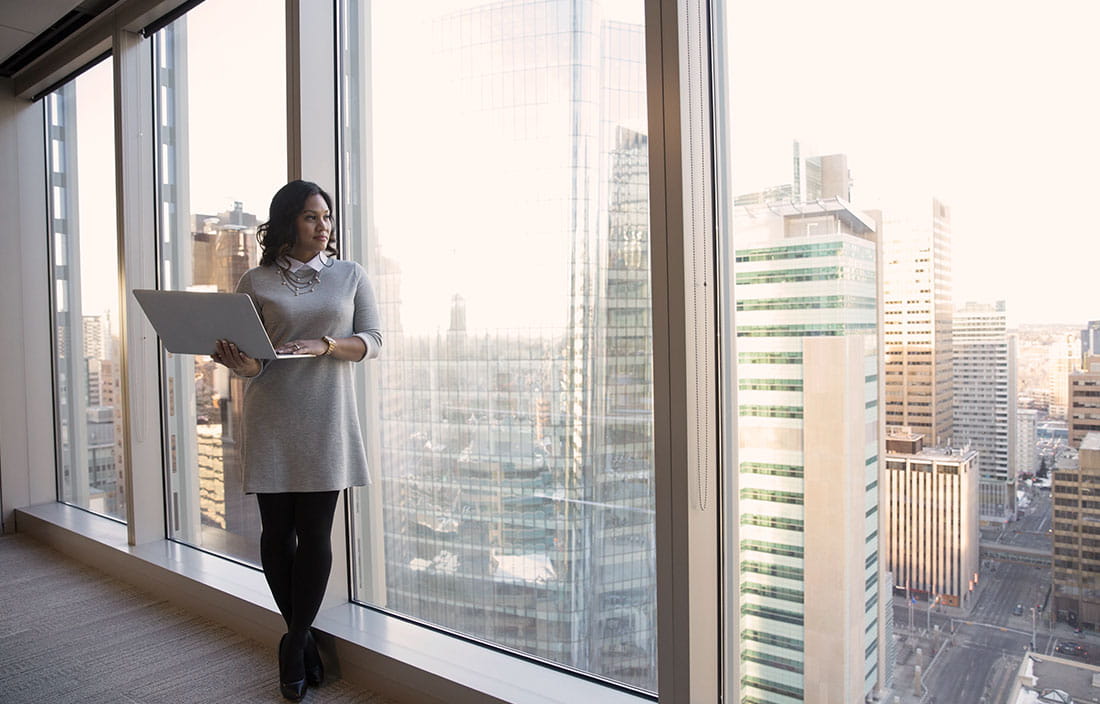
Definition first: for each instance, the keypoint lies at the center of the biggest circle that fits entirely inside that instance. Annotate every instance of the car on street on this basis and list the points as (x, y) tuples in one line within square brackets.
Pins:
[(1018, 610), (1067, 647)]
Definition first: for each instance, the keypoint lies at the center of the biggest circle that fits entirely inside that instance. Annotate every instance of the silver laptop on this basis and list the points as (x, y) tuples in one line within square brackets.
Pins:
[(191, 322)]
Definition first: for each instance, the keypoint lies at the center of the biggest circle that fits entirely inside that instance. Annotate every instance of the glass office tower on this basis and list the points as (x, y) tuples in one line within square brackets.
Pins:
[(808, 425)]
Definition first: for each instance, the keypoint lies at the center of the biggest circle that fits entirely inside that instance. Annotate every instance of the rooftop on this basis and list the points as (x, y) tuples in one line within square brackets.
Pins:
[(857, 221), (953, 454), (901, 432), (1045, 678)]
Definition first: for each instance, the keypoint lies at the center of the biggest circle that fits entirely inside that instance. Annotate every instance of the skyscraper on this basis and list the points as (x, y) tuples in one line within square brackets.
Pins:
[(917, 309), (808, 424), (220, 249), (1090, 341), (518, 462), (97, 331), (1076, 591), (1027, 452), (812, 177), (985, 403), (1063, 362), (1083, 404)]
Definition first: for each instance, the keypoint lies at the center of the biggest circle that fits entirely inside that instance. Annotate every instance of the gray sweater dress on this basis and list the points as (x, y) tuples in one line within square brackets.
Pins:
[(301, 425)]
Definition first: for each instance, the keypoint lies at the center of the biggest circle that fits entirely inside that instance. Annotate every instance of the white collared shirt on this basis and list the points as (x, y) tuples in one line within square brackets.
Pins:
[(318, 263)]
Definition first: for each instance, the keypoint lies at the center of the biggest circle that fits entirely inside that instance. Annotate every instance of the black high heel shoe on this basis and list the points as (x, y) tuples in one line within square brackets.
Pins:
[(293, 690), (315, 669)]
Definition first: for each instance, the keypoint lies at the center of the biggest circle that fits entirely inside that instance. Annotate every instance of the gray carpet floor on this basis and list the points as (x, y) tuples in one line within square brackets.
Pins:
[(69, 633)]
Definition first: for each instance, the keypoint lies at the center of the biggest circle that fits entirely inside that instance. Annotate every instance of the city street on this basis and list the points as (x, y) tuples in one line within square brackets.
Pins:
[(985, 646), (984, 650)]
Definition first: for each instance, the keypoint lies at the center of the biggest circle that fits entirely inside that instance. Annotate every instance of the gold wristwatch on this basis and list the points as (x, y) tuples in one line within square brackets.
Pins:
[(331, 345)]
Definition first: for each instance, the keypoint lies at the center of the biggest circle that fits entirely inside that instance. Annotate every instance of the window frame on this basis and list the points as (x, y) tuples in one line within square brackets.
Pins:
[(684, 297)]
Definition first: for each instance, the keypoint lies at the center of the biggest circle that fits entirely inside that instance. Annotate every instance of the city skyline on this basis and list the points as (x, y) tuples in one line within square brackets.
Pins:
[(501, 211), (979, 105), (1002, 168)]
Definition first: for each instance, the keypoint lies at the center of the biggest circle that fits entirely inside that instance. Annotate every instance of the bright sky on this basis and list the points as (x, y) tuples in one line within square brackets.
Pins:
[(95, 186), (462, 205), (237, 103), (236, 130), (988, 105)]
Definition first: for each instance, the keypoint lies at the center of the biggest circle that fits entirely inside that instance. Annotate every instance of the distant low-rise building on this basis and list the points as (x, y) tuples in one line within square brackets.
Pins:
[(932, 518), (1052, 679)]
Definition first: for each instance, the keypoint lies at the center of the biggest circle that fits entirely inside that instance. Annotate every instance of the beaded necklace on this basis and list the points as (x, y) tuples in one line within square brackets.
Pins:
[(300, 284)]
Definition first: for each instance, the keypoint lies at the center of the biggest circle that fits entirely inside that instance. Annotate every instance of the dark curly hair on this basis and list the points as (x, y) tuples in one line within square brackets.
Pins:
[(278, 235)]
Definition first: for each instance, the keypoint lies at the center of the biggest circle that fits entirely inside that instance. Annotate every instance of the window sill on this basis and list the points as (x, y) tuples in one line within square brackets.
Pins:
[(398, 659)]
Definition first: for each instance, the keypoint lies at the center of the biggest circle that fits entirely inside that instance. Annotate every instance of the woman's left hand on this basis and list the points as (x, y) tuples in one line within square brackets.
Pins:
[(313, 347)]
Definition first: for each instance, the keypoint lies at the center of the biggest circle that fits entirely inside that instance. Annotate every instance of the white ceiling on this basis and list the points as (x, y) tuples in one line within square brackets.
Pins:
[(23, 20)]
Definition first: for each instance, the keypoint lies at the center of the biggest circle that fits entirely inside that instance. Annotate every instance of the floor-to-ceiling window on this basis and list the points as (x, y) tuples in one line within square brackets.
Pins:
[(495, 184), (494, 179), (902, 265), (80, 135), (220, 92)]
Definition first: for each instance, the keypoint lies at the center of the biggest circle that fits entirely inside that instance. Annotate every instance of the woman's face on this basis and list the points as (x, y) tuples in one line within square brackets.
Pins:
[(313, 228)]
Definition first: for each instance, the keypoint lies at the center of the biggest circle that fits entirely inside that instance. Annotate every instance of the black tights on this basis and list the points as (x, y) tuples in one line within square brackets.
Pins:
[(296, 552)]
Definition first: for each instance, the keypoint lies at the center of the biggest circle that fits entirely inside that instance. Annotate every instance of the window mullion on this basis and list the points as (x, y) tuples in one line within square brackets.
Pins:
[(684, 352), (144, 485)]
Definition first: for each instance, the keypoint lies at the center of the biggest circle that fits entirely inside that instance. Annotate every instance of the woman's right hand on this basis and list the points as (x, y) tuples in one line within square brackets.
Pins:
[(227, 354)]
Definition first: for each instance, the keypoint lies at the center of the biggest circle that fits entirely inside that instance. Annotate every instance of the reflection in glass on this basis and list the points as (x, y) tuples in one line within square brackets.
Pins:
[(496, 158), (221, 131), (80, 133)]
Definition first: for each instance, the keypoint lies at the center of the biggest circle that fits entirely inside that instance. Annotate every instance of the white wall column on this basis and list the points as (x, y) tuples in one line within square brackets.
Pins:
[(27, 447)]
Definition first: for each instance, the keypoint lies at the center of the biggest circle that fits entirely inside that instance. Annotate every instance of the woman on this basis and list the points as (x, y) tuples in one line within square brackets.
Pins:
[(301, 442)]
